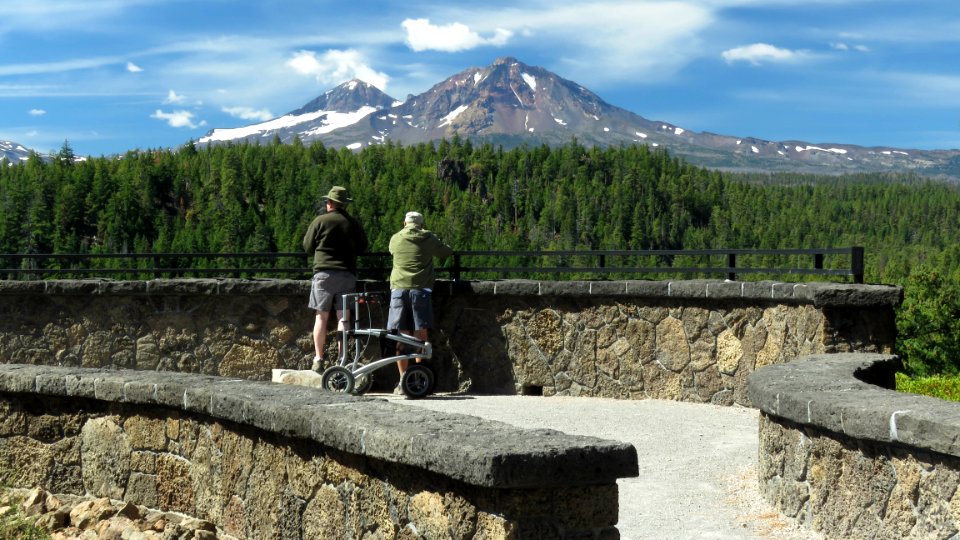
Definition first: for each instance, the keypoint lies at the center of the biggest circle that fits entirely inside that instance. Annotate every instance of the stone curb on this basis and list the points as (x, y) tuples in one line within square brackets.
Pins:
[(816, 293), (466, 448), (829, 391)]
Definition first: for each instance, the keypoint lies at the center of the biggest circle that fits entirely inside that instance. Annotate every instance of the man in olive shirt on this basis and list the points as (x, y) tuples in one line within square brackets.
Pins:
[(335, 239), (412, 277)]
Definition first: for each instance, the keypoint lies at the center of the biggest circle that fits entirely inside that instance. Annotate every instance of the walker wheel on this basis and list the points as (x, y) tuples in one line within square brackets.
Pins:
[(337, 379), (416, 381)]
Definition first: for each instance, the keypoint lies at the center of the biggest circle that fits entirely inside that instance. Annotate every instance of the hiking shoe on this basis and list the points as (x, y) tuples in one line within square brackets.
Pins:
[(398, 390), (317, 363)]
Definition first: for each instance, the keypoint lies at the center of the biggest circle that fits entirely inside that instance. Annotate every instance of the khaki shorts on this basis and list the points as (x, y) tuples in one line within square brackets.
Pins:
[(328, 287)]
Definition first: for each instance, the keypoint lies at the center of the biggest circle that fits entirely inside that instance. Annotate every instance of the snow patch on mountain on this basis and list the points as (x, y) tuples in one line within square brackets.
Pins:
[(332, 120), (834, 150), (453, 114), (530, 80)]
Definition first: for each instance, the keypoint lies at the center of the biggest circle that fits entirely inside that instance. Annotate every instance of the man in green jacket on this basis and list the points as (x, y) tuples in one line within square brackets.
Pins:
[(412, 277), (335, 239)]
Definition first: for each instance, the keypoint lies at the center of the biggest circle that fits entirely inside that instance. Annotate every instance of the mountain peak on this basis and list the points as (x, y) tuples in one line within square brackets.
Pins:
[(348, 97), (505, 60)]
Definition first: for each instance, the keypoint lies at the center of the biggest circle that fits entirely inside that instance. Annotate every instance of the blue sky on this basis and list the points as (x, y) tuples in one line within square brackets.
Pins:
[(115, 75)]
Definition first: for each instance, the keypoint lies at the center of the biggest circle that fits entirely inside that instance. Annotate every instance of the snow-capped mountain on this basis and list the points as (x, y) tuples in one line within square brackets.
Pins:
[(343, 106), (14, 152), (511, 103)]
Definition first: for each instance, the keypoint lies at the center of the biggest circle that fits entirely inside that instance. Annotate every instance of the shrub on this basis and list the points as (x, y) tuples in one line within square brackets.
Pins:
[(938, 386), (928, 324)]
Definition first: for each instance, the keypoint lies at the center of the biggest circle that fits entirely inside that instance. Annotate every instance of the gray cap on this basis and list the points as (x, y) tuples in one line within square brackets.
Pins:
[(413, 217)]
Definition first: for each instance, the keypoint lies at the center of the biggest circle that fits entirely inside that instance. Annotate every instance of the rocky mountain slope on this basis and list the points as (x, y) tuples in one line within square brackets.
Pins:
[(14, 152)]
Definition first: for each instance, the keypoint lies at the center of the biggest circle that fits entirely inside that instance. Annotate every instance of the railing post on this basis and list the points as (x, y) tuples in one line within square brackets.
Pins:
[(856, 263), (455, 271), (731, 264), (818, 261)]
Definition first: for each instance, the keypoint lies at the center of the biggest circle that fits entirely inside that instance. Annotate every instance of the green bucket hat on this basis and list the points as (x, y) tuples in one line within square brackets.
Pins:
[(339, 194)]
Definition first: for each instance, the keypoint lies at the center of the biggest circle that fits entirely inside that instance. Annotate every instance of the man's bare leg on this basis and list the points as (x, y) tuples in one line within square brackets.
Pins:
[(319, 337), (422, 334)]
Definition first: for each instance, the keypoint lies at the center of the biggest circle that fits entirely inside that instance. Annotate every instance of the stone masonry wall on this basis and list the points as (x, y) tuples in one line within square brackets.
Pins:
[(689, 340), (848, 457), (261, 460), (850, 488)]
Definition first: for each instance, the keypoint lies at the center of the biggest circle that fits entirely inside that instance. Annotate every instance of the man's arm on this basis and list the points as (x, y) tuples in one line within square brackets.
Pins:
[(440, 249), (310, 237)]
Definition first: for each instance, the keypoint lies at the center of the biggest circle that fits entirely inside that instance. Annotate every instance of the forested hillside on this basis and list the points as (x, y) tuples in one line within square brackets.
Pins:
[(260, 198)]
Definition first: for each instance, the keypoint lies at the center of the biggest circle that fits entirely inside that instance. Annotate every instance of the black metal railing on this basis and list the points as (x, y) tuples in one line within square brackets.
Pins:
[(610, 264)]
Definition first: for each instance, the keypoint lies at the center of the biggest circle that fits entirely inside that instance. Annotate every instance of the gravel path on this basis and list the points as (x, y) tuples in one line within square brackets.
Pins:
[(697, 462)]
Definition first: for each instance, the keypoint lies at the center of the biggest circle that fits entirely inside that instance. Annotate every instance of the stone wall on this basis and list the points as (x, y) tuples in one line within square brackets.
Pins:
[(692, 340), (845, 456), (261, 460)]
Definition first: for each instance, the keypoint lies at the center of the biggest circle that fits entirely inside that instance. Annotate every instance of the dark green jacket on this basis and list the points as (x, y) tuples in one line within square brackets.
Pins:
[(413, 250), (335, 239)]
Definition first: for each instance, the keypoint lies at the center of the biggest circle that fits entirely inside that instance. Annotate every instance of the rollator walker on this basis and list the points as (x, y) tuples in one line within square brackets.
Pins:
[(351, 376)]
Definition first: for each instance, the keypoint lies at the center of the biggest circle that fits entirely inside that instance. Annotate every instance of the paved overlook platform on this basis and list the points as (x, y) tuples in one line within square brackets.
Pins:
[(697, 462)]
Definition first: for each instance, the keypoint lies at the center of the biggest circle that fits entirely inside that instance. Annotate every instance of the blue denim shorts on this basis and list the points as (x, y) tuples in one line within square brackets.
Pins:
[(410, 309)]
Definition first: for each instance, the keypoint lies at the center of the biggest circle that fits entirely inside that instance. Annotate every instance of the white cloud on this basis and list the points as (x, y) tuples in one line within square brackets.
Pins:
[(173, 97), (133, 68), (178, 119), (335, 66), (599, 42), (846, 47), (248, 113), (759, 53), (423, 36), (36, 112)]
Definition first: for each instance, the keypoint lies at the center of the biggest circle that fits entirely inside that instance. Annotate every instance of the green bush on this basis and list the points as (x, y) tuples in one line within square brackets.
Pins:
[(938, 386), (928, 324)]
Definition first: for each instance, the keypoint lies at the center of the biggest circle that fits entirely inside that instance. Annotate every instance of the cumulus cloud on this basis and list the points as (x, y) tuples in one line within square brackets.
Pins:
[(36, 112), (335, 66), (759, 53), (133, 68), (423, 36), (248, 113), (597, 42), (178, 119), (173, 97)]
